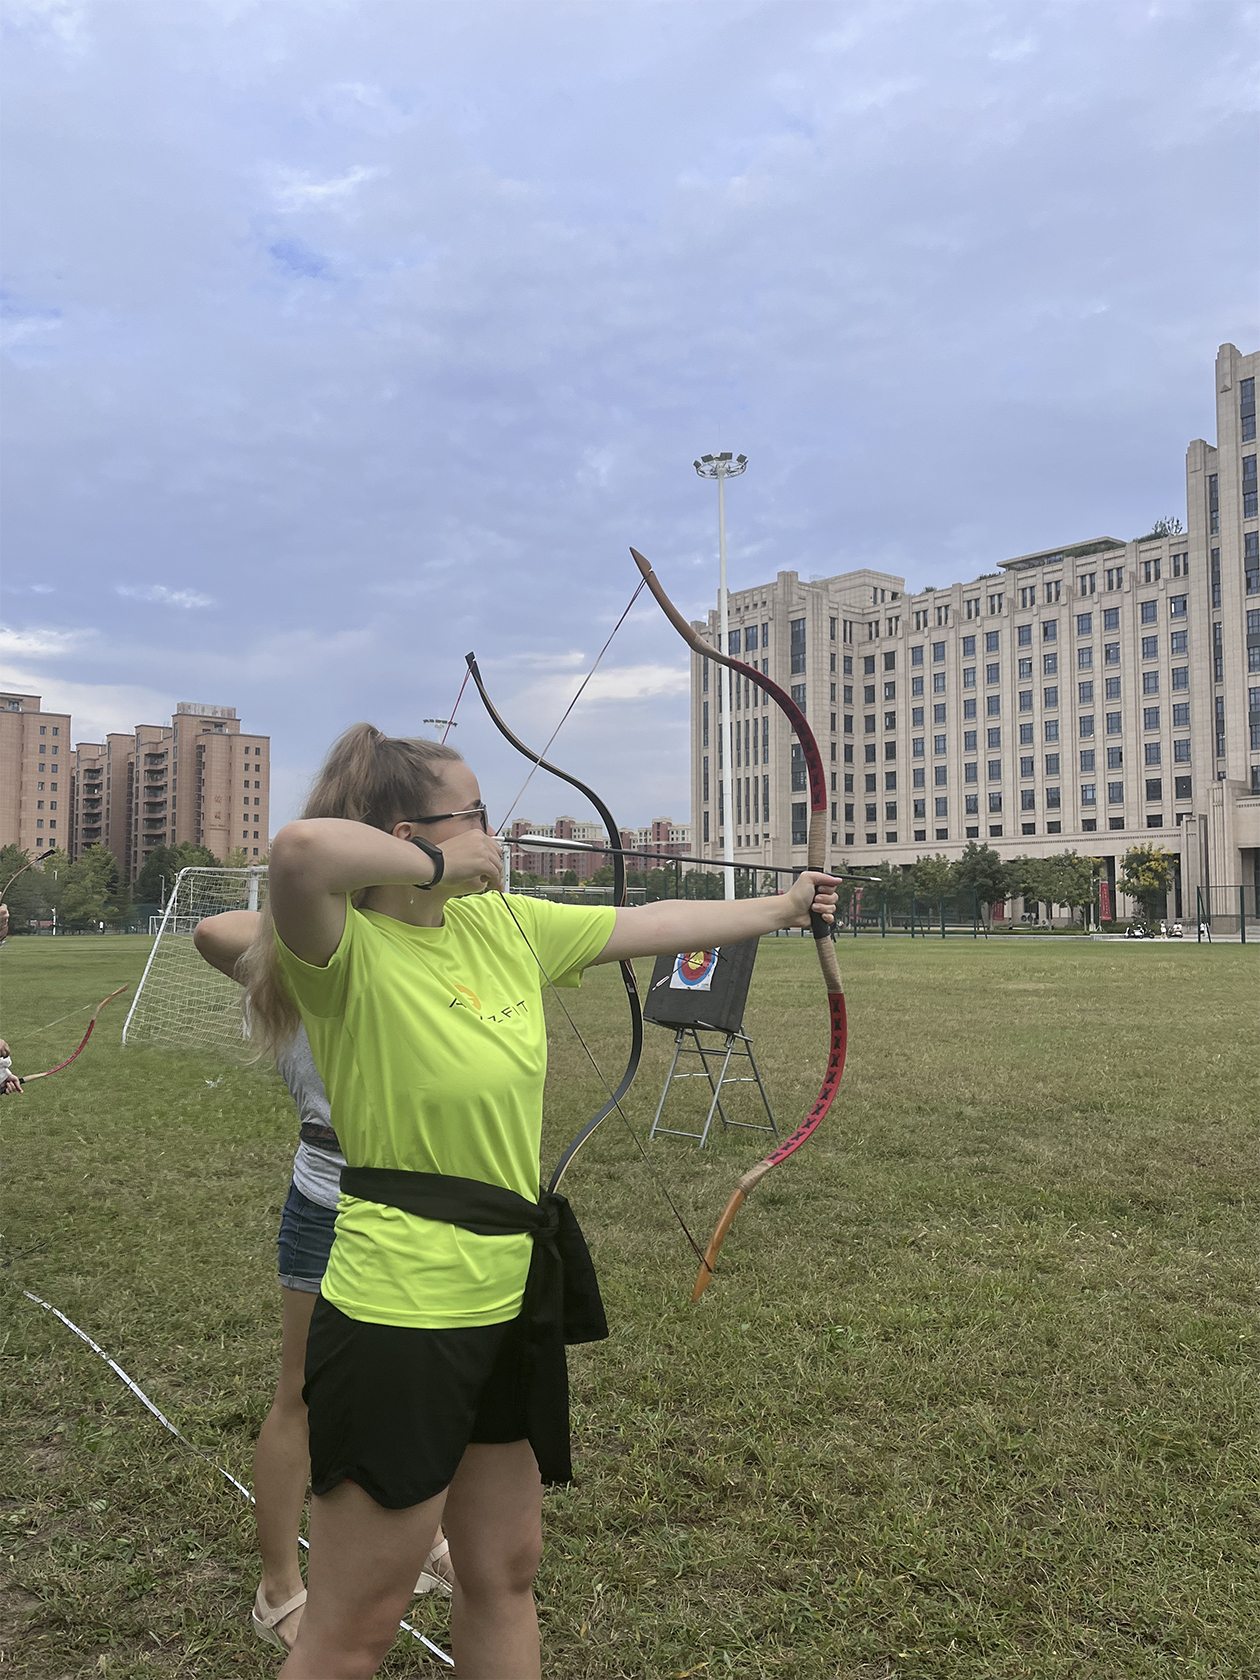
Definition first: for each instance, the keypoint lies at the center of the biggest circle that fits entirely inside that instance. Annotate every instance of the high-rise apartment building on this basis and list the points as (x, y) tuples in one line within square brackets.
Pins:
[(197, 779), (35, 774), (1105, 688)]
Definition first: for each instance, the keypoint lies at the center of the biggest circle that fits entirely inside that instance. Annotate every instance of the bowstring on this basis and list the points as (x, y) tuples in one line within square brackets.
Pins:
[(616, 1102), (450, 720), (536, 766)]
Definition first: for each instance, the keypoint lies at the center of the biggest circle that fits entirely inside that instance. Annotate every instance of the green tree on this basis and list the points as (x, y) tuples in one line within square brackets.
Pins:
[(236, 859), (981, 871), (25, 897), (1146, 873), (932, 877), (90, 883), (165, 863), (569, 878), (1072, 880)]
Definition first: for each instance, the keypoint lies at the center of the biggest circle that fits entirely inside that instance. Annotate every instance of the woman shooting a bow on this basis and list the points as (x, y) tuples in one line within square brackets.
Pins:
[(435, 1367)]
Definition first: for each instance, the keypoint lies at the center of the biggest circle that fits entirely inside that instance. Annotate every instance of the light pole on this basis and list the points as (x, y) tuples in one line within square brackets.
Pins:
[(722, 467)]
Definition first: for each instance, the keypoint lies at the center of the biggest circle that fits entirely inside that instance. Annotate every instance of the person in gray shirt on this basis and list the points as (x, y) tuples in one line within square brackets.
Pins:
[(307, 1225)]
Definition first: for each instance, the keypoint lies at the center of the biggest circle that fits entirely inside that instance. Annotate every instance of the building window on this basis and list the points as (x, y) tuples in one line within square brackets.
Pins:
[(1150, 682), (995, 803), (1052, 592), (1181, 787), (1050, 698), (1178, 642), (1150, 574), (1113, 723), (1181, 713), (1025, 700), (1089, 793), (1249, 486), (1050, 630), (993, 673), (1150, 647), (1152, 753), (1150, 717), (942, 615), (1114, 577), (995, 769), (993, 705), (1028, 799), (1214, 505), (798, 694), (1251, 561), (973, 607), (1026, 765), (938, 713), (1149, 610), (969, 708), (1084, 624), (1052, 729), (1215, 576), (1181, 751), (969, 740), (1049, 664), (1115, 758), (1181, 565), (1087, 761), (969, 676), (994, 737), (970, 771), (942, 808), (1085, 694), (1087, 582), (938, 652), (995, 604), (800, 822), (1023, 635), (1247, 408), (938, 745), (1028, 597), (1084, 659), (1115, 793)]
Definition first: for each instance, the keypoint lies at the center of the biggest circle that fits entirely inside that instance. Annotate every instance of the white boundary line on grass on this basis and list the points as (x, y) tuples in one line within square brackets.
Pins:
[(166, 1423)]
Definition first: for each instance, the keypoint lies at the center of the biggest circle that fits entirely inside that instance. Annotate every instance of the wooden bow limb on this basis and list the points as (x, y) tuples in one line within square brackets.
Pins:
[(26, 1078), (816, 859)]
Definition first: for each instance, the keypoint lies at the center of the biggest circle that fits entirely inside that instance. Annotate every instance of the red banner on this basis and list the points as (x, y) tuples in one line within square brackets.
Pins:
[(1104, 900)]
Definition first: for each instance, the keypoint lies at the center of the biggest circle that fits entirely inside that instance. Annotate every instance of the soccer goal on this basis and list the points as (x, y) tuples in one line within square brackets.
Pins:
[(182, 1003)]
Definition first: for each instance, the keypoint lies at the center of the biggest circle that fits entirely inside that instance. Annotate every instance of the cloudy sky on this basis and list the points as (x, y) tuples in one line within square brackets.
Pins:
[(342, 338)]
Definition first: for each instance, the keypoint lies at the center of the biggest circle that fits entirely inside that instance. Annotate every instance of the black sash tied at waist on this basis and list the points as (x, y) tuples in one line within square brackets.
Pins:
[(562, 1301)]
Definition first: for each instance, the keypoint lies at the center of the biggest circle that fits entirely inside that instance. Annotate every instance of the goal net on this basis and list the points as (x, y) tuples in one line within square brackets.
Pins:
[(182, 1003)]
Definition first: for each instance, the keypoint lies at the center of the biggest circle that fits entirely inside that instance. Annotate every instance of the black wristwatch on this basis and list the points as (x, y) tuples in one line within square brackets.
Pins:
[(434, 854)]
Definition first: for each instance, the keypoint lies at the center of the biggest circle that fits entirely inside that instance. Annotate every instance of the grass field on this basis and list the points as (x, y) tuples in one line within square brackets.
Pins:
[(974, 1395)]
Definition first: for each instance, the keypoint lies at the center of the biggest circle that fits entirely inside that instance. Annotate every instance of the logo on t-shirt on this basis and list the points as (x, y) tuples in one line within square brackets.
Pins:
[(467, 999)]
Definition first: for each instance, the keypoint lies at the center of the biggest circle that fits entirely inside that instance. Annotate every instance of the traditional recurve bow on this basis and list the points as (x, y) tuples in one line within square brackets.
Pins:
[(25, 1079), (816, 858), (619, 897)]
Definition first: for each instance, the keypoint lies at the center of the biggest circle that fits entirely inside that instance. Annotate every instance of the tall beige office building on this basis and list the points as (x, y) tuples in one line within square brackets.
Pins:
[(1081, 696), (35, 774)]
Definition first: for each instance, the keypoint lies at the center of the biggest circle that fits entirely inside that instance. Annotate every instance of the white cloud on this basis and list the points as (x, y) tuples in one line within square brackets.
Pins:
[(185, 598), (296, 190), (41, 643), (96, 709)]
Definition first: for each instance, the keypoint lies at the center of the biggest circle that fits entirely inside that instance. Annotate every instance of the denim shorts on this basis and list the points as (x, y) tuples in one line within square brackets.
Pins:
[(305, 1241)]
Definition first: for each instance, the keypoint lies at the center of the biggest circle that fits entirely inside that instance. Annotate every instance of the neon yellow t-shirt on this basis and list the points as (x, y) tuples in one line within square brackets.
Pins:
[(433, 1049)]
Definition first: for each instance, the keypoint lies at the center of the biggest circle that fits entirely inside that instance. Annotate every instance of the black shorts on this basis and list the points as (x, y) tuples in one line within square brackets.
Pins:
[(392, 1408)]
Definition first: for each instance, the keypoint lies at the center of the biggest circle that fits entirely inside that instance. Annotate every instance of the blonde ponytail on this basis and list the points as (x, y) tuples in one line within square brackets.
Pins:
[(367, 777)]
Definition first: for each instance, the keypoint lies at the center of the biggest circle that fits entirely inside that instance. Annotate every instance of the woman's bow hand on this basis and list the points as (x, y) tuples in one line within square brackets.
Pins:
[(814, 893)]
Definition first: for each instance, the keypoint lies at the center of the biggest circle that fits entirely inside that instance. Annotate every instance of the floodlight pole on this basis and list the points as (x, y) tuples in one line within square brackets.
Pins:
[(722, 467)]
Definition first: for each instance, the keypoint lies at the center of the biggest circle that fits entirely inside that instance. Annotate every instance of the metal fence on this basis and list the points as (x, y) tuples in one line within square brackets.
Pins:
[(1227, 913)]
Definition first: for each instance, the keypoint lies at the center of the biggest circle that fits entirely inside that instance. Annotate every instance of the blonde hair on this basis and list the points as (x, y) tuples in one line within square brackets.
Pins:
[(367, 777)]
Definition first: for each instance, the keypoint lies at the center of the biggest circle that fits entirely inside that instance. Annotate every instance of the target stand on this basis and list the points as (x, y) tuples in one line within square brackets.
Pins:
[(704, 992)]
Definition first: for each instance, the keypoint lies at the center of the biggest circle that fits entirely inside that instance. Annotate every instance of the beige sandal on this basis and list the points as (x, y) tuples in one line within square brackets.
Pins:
[(267, 1621), (437, 1575)]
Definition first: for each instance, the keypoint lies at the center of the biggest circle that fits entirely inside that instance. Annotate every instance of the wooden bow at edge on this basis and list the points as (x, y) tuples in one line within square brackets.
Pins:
[(816, 858), (25, 1078)]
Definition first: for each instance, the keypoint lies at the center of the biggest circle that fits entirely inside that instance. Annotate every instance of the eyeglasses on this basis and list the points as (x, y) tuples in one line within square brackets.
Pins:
[(478, 811)]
